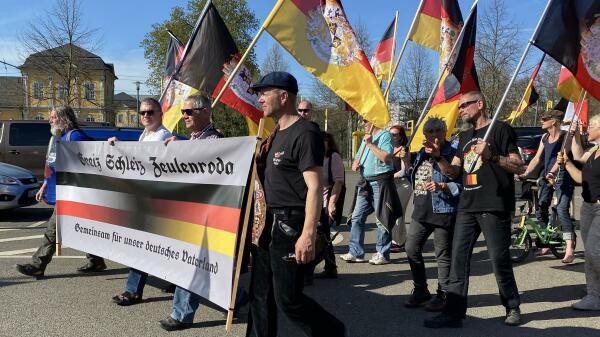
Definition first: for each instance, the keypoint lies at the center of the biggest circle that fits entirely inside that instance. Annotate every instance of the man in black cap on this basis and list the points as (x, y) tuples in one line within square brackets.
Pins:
[(290, 164)]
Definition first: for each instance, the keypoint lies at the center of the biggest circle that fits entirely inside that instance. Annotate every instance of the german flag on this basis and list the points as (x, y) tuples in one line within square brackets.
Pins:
[(382, 58), (569, 33), (458, 78), (568, 87), (320, 37), (437, 26), (529, 97), (174, 54)]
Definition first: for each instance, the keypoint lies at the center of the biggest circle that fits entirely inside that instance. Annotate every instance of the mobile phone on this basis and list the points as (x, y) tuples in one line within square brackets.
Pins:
[(291, 257)]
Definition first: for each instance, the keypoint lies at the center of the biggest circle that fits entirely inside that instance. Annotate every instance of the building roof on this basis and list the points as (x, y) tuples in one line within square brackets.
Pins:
[(83, 58), (124, 100), (12, 92)]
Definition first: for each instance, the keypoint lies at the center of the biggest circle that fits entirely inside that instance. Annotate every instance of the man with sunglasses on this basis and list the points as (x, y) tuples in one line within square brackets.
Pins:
[(197, 115), (151, 118), (485, 205), (305, 110)]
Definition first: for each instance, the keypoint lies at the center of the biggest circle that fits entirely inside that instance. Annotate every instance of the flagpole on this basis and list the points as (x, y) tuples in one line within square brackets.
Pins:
[(325, 119), (254, 41), (439, 79), (410, 30), (575, 121), (523, 98), (512, 80), (389, 82)]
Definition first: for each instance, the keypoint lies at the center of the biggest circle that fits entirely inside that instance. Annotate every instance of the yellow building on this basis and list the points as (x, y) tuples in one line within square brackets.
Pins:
[(12, 97), (68, 75), (125, 107)]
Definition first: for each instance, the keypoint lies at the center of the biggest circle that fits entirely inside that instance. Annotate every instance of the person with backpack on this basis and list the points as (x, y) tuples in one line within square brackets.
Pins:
[(555, 179), (63, 126), (334, 191)]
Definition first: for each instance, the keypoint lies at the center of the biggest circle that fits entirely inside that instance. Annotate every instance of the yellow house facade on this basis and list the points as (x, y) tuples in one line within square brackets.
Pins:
[(69, 75)]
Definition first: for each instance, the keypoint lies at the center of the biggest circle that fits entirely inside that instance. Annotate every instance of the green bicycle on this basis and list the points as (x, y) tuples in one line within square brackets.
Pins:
[(550, 237)]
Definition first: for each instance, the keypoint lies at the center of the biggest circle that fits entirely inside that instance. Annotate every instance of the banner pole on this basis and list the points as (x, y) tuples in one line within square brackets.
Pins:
[(523, 98), (439, 79), (512, 80), (389, 82), (410, 30), (242, 237), (247, 52)]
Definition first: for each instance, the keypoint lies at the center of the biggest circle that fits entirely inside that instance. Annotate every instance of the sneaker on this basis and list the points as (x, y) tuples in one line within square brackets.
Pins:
[(417, 298), (443, 320), (92, 267), (30, 270), (513, 317), (351, 258), (436, 303), (378, 259), (171, 324), (588, 302)]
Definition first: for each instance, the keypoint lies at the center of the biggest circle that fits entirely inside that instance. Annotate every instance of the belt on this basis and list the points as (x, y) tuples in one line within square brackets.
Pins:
[(286, 211)]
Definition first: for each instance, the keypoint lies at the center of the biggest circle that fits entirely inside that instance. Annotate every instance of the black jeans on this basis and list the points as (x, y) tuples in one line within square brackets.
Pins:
[(496, 228), (279, 283), (418, 233)]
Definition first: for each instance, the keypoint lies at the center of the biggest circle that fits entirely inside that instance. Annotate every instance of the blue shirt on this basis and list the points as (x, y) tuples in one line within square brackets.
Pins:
[(369, 164)]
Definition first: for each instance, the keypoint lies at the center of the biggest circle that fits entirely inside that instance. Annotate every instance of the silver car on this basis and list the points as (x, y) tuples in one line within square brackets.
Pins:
[(18, 187)]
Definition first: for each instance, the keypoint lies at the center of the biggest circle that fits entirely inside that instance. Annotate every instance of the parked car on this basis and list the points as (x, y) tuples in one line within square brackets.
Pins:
[(18, 187), (25, 143)]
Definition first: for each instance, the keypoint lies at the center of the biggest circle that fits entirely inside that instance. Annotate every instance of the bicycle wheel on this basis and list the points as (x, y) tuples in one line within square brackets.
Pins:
[(519, 252)]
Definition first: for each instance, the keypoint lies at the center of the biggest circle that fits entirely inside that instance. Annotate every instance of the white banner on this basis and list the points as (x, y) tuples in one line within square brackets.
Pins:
[(171, 211)]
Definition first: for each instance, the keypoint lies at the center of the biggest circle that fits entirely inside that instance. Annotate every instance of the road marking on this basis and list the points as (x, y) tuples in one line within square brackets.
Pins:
[(17, 252), (22, 238), (33, 250), (37, 224), (8, 229)]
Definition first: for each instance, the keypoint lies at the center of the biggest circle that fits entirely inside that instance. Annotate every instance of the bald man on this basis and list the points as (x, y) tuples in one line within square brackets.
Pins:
[(305, 110)]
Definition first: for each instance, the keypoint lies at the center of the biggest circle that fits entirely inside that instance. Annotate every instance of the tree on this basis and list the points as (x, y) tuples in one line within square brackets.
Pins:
[(240, 21), (60, 44), (415, 81), (496, 52), (274, 60)]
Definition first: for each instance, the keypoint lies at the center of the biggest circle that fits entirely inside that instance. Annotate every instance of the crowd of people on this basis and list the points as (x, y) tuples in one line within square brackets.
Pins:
[(458, 189)]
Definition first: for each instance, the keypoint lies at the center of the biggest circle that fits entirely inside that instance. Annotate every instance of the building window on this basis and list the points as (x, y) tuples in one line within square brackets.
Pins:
[(63, 92), (38, 90), (120, 118), (39, 118), (90, 91), (132, 119), (90, 118)]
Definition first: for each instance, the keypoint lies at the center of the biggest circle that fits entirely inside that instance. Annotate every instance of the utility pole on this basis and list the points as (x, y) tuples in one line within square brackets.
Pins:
[(137, 101)]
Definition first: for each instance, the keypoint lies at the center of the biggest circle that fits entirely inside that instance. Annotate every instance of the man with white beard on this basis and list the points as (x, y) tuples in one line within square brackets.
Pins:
[(63, 125)]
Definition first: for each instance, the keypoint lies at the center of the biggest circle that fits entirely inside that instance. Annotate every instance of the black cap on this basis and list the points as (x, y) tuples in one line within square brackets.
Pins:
[(277, 79)]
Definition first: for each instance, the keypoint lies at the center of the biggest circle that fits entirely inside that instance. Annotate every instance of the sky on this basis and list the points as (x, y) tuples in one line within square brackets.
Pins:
[(122, 24)]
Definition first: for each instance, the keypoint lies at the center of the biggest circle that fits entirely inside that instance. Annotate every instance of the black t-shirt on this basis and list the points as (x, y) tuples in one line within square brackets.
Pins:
[(293, 151), (423, 206), (489, 188), (590, 189)]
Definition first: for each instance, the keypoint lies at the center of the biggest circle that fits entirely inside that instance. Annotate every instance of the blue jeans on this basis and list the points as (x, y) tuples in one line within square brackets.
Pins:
[(136, 280), (365, 205), (564, 194), (185, 304)]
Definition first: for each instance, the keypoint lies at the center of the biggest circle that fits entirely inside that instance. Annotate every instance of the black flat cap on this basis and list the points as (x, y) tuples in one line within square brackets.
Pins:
[(277, 79)]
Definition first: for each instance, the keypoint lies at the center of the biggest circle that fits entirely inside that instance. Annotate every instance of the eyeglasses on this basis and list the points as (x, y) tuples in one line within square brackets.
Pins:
[(146, 112), (434, 130), (394, 134), (190, 112), (467, 103), (545, 119), (303, 110)]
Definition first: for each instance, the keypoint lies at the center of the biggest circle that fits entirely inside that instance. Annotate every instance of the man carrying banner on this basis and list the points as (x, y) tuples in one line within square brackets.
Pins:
[(197, 116), (151, 118), (63, 125), (292, 163), (485, 205)]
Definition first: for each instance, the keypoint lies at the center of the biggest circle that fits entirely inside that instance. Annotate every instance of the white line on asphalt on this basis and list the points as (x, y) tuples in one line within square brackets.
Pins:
[(8, 229), (17, 252), (37, 224), (22, 238)]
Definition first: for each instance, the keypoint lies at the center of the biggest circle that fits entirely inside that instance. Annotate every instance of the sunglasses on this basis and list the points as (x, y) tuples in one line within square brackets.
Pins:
[(545, 119), (303, 110), (190, 112), (394, 134), (466, 104), (146, 112), (433, 130)]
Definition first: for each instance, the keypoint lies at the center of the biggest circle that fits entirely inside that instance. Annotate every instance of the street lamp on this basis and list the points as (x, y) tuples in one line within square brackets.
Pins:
[(137, 89)]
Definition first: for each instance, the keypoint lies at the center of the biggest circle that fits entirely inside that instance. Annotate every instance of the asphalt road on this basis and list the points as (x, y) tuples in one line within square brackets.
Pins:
[(367, 298)]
